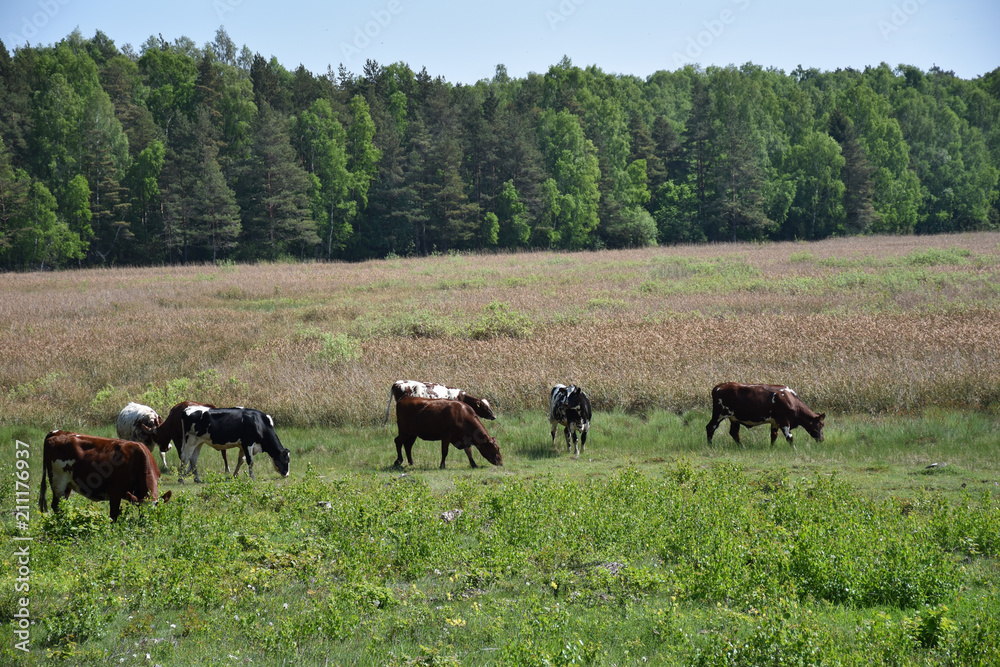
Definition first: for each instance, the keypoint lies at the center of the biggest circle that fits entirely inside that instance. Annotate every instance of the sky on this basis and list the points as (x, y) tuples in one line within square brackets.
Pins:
[(465, 41)]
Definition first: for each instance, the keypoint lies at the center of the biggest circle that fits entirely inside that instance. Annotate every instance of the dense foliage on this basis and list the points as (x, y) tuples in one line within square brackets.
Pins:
[(176, 153)]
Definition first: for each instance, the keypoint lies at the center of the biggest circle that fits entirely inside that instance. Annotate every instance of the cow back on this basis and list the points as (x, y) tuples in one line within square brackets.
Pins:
[(103, 467)]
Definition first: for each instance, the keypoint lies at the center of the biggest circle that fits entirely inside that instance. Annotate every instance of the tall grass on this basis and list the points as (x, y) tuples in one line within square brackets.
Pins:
[(878, 325)]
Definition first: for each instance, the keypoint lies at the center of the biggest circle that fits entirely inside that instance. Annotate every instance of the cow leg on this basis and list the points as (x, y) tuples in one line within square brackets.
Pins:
[(239, 463), (566, 433), (116, 507), (60, 486), (734, 431), (468, 452), (400, 441), (774, 433), (583, 439), (554, 426), (193, 463), (444, 452), (713, 424), (225, 461), (787, 430)]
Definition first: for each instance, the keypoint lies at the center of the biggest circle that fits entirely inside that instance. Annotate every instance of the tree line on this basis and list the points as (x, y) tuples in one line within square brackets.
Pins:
[(177, 153)]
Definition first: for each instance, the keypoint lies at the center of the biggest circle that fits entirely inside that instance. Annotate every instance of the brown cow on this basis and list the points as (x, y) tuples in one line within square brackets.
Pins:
[(98, 469), (402, 388), (751, 405), (451, 422)]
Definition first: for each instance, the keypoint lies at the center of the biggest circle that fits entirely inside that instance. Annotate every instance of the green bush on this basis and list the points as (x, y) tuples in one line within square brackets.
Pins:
[(497, 320)]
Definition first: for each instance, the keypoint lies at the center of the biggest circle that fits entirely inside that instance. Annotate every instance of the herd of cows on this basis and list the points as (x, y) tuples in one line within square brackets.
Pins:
[(123, 468)]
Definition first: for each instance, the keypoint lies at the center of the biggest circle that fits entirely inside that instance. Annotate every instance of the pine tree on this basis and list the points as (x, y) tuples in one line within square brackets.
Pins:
[(280, 217), (699, 137), (856, 175)]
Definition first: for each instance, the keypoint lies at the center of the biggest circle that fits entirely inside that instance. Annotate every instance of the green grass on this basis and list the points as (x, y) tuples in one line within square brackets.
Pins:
[(654, 547)]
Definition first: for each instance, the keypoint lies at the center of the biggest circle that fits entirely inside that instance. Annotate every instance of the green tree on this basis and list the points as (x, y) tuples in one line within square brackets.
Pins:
[(572, 161), (512, 217), (490, 230), (77, 207), (280, 216), (676, 214), (13, 196), (40, 238), (742, 160), (895, 188), (362, 154), (321, 143), (817, 210), (859, 214), (143, 181), (171, 76)]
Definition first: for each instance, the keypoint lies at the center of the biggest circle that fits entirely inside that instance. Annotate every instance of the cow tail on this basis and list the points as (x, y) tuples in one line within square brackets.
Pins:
[(42, 504), (389, 405)]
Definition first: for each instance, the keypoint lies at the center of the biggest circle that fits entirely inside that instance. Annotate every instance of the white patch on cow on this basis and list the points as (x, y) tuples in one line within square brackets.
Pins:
[(427, 389), (193, 410), (486, 403), (62, 477), (269, 420), (790, 391)]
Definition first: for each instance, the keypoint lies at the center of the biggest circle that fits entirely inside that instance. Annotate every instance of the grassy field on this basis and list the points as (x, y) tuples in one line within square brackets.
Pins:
[(877, 546)]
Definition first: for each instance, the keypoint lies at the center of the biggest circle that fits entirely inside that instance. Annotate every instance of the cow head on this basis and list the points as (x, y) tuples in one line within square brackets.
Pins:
[(282, 462), (482, 408), (490, 451), (814, 426), (150, 431)]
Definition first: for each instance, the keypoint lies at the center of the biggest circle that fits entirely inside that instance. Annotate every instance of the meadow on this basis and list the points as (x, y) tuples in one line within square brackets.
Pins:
[(877, 546)]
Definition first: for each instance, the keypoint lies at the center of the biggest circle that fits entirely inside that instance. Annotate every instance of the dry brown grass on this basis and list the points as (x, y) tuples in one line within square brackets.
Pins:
[(868, 324)]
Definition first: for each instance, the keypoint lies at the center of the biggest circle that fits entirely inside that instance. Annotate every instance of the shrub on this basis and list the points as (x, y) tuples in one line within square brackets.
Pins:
[(497, 320)]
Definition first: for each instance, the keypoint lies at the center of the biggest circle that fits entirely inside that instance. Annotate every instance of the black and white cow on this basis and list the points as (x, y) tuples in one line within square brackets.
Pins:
[(225, 428), (570, 407)]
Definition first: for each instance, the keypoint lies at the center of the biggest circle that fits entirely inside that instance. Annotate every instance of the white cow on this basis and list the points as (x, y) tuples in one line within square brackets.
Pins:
[(129, 426)]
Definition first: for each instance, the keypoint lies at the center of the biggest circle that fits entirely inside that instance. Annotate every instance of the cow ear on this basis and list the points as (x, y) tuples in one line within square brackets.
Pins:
[(822, 416)]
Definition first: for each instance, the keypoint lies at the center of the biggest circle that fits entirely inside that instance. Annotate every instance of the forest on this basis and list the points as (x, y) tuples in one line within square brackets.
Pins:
[(174, 153)]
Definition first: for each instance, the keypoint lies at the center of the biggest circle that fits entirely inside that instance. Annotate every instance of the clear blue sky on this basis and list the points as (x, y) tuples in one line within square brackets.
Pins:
[(464, 41)]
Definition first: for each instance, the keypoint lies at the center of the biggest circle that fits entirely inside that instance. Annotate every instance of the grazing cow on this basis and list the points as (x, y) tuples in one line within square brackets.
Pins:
[(224, 428), (171, 430), (98, 469), (402, 388), (451, 422), (129, 426), (751, 405), (570, 407)]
